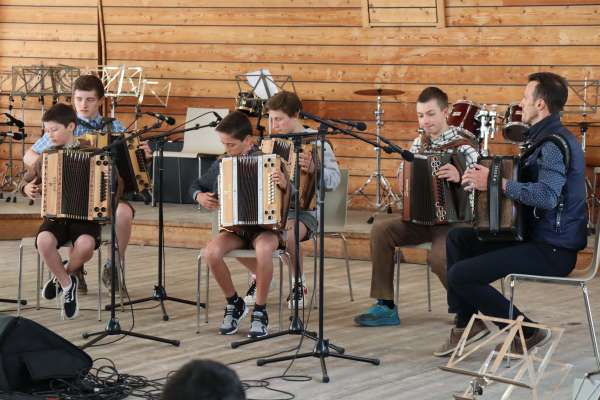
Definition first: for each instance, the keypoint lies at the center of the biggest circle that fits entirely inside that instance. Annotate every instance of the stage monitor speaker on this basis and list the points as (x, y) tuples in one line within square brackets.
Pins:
[(31, 356)]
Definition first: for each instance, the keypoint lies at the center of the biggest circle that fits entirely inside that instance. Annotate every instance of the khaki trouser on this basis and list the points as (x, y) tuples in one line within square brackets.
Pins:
[(387, 233)]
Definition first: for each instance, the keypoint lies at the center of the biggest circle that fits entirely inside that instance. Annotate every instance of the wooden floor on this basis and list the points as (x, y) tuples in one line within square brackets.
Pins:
[(407, 370)]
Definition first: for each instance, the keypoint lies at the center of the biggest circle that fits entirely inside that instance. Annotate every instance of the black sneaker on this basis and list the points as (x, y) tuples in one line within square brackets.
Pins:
[(51, 289), (232, 318), (70, 305), (259, 324)]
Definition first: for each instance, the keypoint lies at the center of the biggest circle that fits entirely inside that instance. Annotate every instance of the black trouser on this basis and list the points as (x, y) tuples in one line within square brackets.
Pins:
[(473, 265)]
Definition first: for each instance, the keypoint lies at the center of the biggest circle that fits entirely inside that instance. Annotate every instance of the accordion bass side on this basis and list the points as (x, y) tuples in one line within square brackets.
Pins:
[(498, 217), (285, 149), (428, 200), (76, 185), (247, 194), (131, 161)]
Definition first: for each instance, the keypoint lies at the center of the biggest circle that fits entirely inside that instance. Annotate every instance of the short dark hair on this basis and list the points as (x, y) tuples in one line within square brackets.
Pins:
[(61, 113), (236, 125), (431, 93), (551, 88), (89, 83), (287, 102), (203, 379)]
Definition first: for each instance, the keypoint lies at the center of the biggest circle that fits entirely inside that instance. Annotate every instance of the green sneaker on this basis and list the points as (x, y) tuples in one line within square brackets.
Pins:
[(378, 315)]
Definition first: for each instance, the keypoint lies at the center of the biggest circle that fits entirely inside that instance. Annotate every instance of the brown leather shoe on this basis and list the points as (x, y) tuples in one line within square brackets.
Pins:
[(478, 331), (539, 338)]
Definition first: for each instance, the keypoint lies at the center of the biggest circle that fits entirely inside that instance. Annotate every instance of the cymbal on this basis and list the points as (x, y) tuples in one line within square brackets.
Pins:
[(378, 92)]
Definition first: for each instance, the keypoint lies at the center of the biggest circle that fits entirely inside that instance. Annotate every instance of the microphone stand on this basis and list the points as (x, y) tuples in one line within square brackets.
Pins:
[(113, 327), (322, 346), (160, 293)]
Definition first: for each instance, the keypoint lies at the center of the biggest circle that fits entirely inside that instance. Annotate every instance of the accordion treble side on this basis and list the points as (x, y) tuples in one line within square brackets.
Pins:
[(498, 217), (248, 196), (76, 185)]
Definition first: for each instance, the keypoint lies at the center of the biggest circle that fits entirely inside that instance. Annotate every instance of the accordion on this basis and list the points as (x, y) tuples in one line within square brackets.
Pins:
[(428, 200), (76, 185), (284, 148), (247, 194), (496, 216), (131, 161)]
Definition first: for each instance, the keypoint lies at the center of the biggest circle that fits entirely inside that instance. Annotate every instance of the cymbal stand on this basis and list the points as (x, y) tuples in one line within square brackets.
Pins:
[(487, 118), (385, 196)]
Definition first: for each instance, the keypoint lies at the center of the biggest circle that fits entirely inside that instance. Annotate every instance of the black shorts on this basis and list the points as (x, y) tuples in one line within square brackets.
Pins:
[(65, 230), (249, 234)]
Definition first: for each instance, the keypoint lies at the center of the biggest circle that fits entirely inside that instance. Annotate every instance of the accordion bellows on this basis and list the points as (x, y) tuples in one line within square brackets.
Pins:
[(76, 185), (247, 194)]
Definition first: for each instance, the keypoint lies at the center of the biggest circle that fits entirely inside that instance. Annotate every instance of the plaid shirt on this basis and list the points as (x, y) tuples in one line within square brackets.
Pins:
[(471, 155), (44, 143)]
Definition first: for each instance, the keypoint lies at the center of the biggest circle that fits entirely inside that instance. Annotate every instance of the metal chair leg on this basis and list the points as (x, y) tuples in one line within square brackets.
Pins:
[(198, 267), (206, 298), (397, 259), (345, 248), (428, 287), (19, 286), (511, 298), (590, 319), (39, 281), (280, 312), (99, 282)]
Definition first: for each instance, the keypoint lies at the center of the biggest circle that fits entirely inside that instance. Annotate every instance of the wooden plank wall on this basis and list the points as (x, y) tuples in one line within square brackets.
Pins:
[(484, 53)]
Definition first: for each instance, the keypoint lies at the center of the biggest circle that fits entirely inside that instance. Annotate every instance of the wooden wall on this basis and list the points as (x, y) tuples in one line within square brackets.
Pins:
[(481, 50)]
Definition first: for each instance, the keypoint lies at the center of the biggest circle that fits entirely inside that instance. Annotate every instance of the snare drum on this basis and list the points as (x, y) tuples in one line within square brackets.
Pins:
[(462, 115), (513, 128)]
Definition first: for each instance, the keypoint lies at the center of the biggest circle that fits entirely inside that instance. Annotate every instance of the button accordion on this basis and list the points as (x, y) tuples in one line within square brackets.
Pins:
[(428, 200), (76, 185), (248, 196), (285, 149), (498, 217)]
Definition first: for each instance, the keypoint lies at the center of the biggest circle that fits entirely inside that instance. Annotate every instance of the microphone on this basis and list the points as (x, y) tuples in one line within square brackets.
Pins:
[(165, 118), (217, 116), (14, 135), (359, 126), (17, 122)]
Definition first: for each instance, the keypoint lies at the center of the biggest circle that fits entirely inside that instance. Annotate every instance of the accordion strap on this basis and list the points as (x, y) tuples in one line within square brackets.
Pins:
[(495, 194)]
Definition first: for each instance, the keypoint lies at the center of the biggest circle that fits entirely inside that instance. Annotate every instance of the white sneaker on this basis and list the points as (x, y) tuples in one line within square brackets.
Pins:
[(250, 298)]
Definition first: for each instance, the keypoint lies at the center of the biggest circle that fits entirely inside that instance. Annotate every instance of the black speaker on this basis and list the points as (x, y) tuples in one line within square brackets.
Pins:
[(31, 356), (180, 171)]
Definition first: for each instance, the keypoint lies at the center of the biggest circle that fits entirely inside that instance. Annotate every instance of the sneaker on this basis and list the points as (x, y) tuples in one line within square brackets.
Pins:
[(259, 324), (51, 289), (378, 315), (232, 318), (297, 293), (478, 331), (107, 275), (70, 304), (82, 287), (250, 298), (539, 338)]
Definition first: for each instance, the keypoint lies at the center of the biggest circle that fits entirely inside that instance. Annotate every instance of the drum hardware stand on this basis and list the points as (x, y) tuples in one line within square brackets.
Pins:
[(113, 327), (9, 183), (385, 196), (296, 326), (488, 126), (322, 345), (160, 293)]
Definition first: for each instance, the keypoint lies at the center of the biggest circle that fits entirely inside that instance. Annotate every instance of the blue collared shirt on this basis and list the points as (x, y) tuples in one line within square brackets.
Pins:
[(44, 143), (552, 174)]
